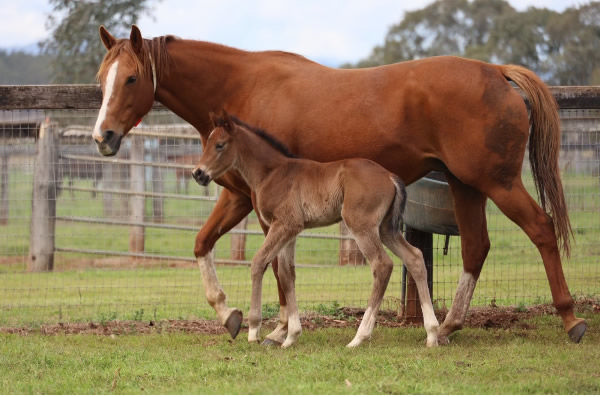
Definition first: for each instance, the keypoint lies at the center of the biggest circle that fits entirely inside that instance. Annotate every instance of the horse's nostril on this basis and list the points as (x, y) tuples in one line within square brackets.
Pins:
[(108, 134)]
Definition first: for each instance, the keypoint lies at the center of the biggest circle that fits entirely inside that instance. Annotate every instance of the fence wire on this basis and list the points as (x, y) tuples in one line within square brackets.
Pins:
[(97, 276)]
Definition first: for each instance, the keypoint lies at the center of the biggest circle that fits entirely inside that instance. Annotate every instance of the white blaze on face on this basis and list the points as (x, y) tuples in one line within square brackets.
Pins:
[(110, 82)]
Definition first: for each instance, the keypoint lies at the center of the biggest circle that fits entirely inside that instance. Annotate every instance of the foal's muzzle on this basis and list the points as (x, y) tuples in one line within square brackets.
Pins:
[(201, 177)]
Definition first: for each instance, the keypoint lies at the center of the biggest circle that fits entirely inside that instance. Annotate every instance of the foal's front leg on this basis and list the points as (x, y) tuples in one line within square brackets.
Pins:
[(278, 236)]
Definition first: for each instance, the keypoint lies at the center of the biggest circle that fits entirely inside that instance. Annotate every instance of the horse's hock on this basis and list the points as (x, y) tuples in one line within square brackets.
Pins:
[(429, 210)]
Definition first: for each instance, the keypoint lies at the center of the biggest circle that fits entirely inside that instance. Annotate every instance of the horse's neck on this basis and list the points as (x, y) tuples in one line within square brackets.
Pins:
[(256, 158), (202, 78)]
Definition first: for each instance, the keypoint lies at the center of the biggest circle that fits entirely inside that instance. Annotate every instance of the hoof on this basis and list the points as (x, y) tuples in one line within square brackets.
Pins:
[(234, 323), (576, 333), (270, 342), (443, 340)]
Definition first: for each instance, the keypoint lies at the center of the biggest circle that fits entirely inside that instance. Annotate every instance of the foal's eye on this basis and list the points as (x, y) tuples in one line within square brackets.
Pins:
[(131, 80), (220, 146)]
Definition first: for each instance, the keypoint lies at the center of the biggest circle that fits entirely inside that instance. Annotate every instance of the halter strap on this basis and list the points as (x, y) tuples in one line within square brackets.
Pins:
[(153, 72)]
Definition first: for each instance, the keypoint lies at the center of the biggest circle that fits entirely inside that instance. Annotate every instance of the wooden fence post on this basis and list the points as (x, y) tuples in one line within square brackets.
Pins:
[(4, 203), (349, 252), (238, 242), (423, 241), (43, 204), (158, 203), (137, 203)]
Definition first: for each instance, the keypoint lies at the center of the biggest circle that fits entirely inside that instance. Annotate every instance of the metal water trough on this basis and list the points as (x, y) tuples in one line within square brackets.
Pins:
[(430, 207)]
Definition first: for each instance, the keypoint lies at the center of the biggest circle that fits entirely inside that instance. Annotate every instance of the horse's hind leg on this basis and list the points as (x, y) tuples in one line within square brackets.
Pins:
[(469, 209), (381, 266), (522, 209), (413, 259)]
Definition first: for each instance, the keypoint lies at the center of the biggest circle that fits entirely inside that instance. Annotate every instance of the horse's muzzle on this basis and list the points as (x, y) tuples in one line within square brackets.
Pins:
[(201, 177), (110, 144)]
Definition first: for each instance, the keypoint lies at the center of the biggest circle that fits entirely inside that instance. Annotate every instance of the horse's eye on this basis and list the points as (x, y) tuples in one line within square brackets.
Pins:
[(220, 146), (131, 80)]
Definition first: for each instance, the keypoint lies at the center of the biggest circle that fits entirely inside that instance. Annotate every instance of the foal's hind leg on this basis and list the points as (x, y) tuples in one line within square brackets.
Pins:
[(413, 259), (520, 207), (381, 266), (287, 278)]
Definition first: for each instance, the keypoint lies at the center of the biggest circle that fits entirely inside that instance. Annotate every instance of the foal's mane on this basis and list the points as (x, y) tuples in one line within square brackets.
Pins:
[(156, 47), (270, 139)]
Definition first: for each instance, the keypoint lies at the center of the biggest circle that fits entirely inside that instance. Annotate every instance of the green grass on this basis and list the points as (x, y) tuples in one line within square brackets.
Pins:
[(539, 360)]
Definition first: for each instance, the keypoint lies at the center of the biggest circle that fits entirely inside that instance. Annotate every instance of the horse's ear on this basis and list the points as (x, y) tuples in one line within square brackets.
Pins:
[(108, 39), (136, 39)]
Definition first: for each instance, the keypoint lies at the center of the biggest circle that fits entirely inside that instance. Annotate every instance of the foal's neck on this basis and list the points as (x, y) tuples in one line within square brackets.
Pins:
[(256, 159)]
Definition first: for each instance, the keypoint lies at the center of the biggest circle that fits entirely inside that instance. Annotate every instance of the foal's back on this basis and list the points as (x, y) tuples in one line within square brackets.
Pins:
[(313, 194)]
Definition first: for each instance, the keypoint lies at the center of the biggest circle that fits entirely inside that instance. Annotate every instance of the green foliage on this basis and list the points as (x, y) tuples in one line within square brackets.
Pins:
[(560, 47), (21, 68), (74, 43)]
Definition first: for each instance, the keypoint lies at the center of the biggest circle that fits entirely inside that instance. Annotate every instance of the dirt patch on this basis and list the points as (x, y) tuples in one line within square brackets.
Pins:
[(479, 317)]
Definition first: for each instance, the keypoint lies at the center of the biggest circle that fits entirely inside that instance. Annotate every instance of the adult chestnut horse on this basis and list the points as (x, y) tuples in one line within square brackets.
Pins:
[(449, 114)]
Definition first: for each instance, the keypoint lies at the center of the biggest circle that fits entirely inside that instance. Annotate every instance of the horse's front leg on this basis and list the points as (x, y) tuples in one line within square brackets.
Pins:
[(279, 236), (229, 210)]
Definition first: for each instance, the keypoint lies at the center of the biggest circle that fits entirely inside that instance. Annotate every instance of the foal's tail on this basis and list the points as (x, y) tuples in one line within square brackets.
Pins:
[(544, 146), (397, 208)]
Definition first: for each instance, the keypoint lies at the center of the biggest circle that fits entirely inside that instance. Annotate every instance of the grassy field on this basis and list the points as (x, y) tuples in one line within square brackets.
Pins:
[(92, 288), (536, 359)]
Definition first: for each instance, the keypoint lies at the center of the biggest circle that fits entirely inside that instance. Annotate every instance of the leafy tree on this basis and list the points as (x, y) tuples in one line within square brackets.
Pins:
[(561, 47), (21, 68), (74, 43)]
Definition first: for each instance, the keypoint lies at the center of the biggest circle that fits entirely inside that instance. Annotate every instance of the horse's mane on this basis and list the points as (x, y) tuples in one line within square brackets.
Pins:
[(270, 139), (157, 47)]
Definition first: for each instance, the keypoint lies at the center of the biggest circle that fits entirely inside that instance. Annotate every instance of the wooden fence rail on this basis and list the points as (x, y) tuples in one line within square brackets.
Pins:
[(89, 96)]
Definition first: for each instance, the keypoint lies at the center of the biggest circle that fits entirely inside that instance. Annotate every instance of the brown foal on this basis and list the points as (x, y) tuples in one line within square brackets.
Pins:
[(291, 194)]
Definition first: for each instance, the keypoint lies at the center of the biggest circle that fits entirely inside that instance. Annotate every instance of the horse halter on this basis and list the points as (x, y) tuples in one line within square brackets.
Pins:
[(153, 72)]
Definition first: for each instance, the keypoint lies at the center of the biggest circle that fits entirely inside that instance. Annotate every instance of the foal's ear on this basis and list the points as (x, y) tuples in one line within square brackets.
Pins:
[(227, 121), (108, 39), (214, 119), (136, 39)]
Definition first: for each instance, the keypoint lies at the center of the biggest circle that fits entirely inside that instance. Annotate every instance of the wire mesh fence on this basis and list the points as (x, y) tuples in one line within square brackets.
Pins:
[(124, 231)]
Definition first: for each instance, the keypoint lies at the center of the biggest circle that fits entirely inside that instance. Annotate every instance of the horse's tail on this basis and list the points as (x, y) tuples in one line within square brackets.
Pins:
[(397, 208), (544, 147)]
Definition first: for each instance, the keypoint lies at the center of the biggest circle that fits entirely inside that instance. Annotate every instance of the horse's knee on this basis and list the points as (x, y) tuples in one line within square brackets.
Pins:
[(202, 246)]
